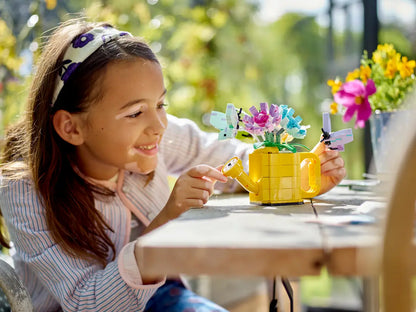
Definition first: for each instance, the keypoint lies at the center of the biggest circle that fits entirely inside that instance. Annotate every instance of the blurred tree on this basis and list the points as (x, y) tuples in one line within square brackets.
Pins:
[(9, 65), (212, 52)]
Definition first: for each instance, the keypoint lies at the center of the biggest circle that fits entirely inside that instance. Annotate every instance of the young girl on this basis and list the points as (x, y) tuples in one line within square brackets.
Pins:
[(85, 174)]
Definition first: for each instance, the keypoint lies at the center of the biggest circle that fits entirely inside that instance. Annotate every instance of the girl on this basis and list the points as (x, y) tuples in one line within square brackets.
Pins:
[(85, 173)]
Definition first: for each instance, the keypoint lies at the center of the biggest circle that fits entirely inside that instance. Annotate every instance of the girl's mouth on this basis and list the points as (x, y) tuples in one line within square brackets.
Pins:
[(149, 150)]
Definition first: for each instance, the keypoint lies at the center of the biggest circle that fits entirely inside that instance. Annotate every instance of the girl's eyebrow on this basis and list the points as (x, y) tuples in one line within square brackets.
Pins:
[(136, 101)]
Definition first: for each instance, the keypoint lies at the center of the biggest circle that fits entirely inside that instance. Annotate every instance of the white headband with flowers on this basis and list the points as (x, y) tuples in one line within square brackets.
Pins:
[(80, 49)]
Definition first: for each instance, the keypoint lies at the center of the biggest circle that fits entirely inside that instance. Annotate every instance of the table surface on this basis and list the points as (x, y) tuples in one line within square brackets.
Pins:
[(229, 236)]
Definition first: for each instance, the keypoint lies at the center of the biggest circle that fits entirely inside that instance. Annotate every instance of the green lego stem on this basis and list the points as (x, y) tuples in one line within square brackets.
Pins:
[(280, 146), (272, 139)]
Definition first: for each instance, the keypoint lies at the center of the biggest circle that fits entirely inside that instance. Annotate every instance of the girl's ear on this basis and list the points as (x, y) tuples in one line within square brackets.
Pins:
[(68, 126)]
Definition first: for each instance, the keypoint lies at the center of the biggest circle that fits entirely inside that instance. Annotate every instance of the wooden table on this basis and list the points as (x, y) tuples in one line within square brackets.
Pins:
[(229, 236)]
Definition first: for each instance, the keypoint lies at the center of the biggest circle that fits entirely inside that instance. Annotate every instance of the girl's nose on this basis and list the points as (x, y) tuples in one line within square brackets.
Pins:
[(156, 122)]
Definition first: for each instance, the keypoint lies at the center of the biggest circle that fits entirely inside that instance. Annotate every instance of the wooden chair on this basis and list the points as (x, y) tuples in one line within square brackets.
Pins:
[(399, 231), (15, 291)]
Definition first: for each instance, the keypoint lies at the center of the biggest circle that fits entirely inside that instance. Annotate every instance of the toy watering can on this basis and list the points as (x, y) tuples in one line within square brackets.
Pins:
[(275, 177)]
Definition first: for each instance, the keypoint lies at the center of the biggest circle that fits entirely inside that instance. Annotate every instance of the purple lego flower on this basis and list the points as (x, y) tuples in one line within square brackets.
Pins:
[(274, 112), (82, 40), (266, 119), (68, 71), (250, 126)]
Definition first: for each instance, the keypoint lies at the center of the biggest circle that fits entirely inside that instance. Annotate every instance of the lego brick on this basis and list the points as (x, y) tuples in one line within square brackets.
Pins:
[(285, 182), (286, 195)]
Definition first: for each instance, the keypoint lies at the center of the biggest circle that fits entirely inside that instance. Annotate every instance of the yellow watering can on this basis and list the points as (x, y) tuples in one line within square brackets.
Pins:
[(275, 177)]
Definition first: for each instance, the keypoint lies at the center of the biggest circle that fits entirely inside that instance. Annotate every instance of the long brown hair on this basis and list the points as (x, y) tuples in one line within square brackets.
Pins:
[(68, 199)]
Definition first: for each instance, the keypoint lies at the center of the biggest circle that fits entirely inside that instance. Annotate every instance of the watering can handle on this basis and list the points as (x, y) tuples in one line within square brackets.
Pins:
[(314, 175)]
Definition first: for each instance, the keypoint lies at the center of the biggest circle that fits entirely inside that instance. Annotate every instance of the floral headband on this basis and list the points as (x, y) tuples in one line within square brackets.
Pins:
[(80, 49)]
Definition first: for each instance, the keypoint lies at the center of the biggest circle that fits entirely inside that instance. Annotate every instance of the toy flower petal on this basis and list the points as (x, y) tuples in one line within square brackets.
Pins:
[(264, 107), (261, 119), (274, 110), (253, 110)]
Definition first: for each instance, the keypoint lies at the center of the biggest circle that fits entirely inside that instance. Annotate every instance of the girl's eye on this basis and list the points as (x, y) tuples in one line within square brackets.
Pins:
[(162, 105), (134, 115)]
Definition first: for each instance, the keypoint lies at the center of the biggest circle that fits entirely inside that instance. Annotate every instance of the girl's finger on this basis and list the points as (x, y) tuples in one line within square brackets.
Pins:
[(196, 183), (205, 171), (194, 193), (193, 203), (333, 164), (328, 155), (338, 173)]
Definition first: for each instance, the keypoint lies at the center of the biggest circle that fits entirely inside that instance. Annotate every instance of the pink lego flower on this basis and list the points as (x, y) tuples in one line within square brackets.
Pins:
[(353, 95), (261, 118)]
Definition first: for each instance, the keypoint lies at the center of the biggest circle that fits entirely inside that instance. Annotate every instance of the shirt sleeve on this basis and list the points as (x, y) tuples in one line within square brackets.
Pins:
[(76, 284), (185, 145)]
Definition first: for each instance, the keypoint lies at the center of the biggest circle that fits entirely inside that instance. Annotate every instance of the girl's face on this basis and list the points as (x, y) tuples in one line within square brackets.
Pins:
[(124, 128)]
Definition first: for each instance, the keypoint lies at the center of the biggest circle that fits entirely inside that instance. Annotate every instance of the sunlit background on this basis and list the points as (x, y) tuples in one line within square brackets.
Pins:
[(216, 52)]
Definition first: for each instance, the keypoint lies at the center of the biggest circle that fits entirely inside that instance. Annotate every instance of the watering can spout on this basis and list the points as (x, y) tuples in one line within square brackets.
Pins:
[(234, 169)]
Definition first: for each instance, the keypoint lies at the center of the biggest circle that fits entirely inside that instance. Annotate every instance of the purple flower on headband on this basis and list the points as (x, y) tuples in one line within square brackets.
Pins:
[(82, 40), (68, 70)]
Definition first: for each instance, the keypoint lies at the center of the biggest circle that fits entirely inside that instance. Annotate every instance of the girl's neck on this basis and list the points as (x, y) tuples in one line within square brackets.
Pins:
[(101, 178)]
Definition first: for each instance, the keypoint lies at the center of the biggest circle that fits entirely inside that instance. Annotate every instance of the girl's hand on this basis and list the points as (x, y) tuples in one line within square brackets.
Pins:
[(192, 189), (332, 167)]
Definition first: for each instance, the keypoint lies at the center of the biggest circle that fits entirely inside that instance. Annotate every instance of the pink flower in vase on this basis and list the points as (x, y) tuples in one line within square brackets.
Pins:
[(353, 95)]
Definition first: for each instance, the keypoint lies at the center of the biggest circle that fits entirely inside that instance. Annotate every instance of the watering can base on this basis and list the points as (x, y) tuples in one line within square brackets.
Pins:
[(276, 204)]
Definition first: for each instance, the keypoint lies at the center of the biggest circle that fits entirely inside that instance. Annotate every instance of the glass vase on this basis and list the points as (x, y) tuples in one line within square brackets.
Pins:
[(384, 137)]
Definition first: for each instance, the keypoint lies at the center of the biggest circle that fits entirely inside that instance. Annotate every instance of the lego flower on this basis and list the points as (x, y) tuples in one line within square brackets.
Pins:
[(272, 126), (292, 124), (353, 95), (261, 118), (264, 119), (250, 126)]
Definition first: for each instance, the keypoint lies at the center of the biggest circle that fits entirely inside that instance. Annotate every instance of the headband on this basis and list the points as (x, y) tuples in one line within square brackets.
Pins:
[(80, 49)]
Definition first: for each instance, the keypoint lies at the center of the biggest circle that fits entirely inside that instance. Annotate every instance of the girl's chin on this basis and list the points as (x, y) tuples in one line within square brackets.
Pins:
[(143, 167)]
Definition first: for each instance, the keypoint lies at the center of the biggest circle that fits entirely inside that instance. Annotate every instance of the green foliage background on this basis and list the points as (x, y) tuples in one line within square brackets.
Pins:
[(213, 52)]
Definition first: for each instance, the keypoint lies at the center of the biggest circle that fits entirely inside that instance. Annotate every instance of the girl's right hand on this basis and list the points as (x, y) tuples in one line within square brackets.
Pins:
[(193, 189)]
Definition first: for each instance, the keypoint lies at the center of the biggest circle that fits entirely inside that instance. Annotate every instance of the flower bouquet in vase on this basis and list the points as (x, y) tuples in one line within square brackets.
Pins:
[(376, 91)]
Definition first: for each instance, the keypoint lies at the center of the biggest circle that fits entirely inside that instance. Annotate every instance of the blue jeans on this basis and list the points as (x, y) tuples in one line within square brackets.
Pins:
[(4, 305), (174, 297)]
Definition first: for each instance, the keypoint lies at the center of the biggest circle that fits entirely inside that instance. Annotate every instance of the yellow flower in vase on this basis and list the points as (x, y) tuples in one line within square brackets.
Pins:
[(393, 78), (376, 89)]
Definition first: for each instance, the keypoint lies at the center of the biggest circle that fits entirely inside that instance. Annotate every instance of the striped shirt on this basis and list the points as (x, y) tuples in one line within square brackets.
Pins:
[(57, 281)]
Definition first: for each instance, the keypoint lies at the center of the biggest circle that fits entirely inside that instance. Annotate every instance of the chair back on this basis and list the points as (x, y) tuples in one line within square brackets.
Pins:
[(396, 270), (16, 293)]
